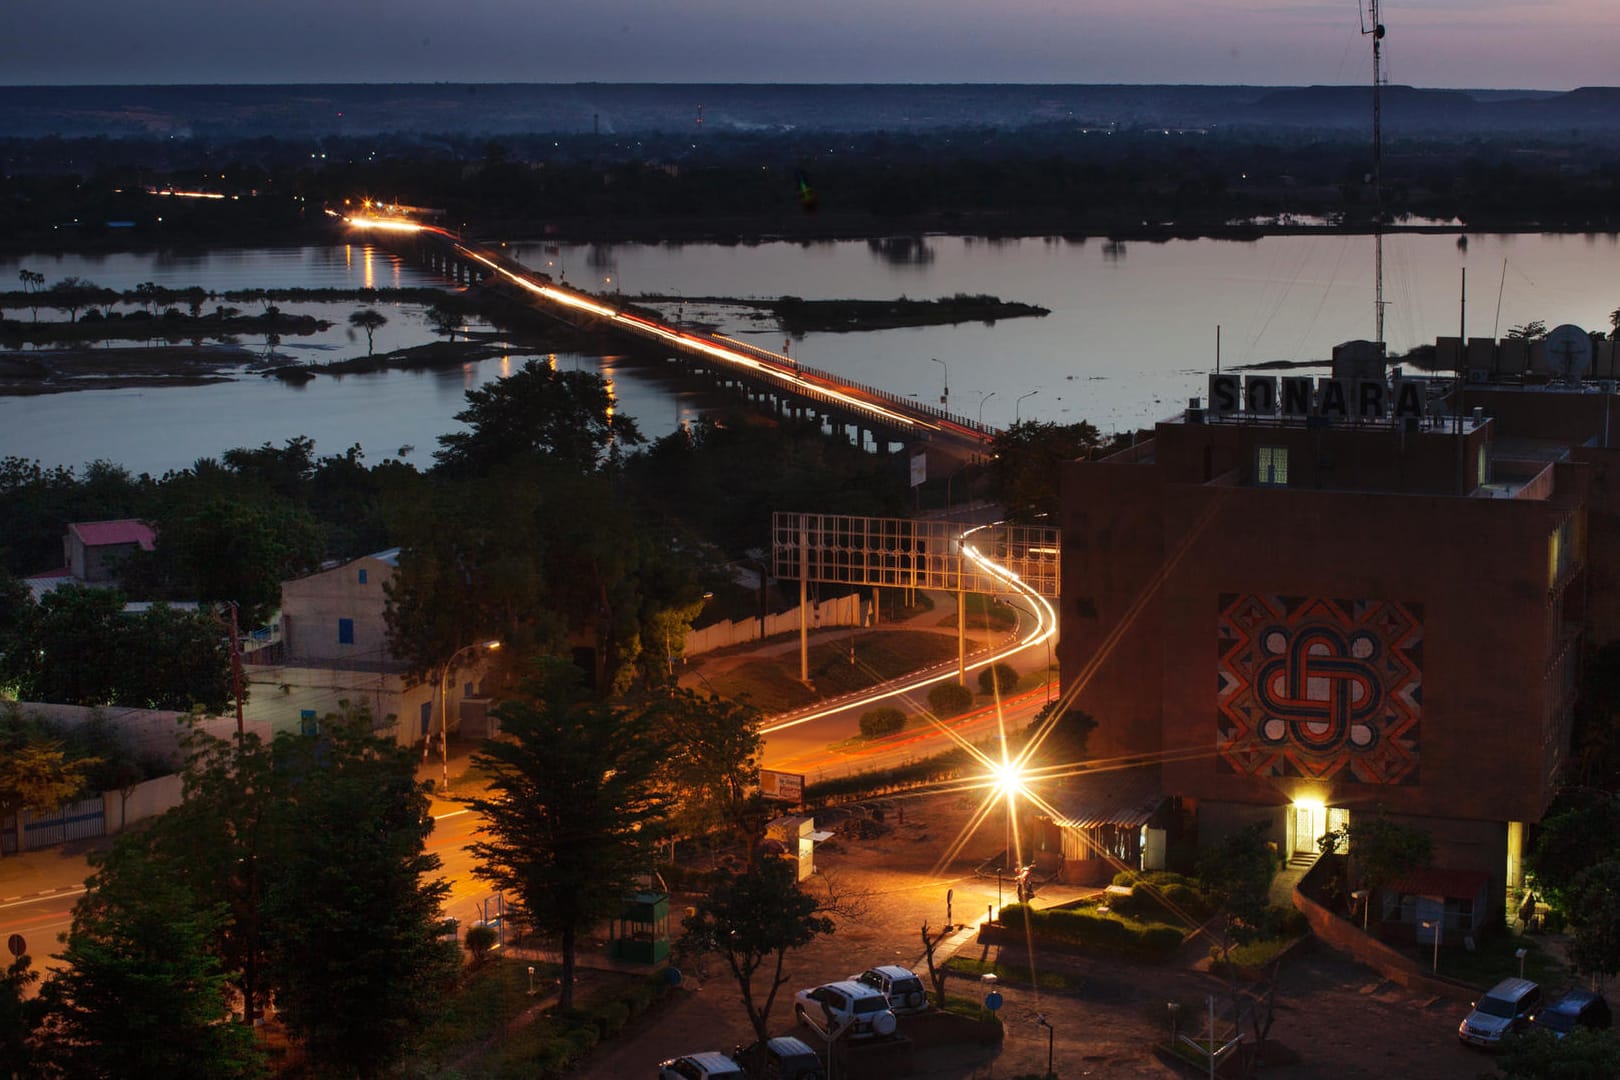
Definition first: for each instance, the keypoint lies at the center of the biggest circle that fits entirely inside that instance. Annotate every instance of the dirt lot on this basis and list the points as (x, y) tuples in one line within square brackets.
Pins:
[(1334, 1018)]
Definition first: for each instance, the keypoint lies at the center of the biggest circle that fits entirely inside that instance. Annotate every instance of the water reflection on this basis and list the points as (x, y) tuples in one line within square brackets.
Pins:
[(902, 250)]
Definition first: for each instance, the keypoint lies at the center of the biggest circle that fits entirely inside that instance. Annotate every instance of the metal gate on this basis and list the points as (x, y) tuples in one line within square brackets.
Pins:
[(75, 821)]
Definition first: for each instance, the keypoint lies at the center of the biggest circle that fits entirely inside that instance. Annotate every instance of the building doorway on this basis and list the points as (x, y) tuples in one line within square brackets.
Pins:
[(1308, 821)]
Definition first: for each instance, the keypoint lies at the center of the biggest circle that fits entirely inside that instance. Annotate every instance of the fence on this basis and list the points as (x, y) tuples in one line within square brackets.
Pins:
[(841, 611), (31, 830)]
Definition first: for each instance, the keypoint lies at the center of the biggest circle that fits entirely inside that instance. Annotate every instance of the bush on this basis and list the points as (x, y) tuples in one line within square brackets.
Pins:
[(997, 678), (481, 939), (949, 699), (1082, 928), (881, 722)]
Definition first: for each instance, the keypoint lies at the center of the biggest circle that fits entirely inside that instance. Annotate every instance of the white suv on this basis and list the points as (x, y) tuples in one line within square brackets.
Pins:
[(845, 1008), (900, 985), (705, 1066)]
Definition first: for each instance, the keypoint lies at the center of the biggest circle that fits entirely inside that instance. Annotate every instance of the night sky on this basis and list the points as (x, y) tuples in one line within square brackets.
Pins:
[(1529, 44)]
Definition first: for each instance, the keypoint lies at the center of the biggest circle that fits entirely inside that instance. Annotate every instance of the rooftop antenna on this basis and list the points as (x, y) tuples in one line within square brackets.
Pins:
[(1371, 26)]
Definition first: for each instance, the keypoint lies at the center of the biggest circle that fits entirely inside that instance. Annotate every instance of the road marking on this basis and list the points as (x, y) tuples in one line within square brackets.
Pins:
[(40, 897)]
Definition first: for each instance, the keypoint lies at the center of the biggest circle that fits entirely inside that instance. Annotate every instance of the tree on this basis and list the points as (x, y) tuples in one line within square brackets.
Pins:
[(566, 417), (443, 320), (714, 764), (754, 919), (217, 545), (1572, 838), (573, 807), (1582, 1054), (356, 956), (1236, 878), (1614, 324), (1592, 904), (1529, 332), (20, 1019), (142, 995), (1381, 850), (72, 293), (1027, 459), (368, 319), (32, 283), (38, 775)]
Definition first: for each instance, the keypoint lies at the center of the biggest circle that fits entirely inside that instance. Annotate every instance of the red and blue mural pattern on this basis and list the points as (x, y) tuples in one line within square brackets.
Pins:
[(1326, 689)]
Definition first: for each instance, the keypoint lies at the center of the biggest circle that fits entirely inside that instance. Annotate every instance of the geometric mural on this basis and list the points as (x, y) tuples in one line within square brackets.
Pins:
[(1326, 689)]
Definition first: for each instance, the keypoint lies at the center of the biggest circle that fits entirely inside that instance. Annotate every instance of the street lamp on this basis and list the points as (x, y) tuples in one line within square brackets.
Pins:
[(1521, 953), (945, 395), (1020, 401), (982, 399), (1050, 1032), (444, 706), (1434, 926)]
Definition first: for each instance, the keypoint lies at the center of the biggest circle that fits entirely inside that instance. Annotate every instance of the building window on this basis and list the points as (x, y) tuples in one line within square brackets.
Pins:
[(345, 631), (362, 577), (1271, 466)]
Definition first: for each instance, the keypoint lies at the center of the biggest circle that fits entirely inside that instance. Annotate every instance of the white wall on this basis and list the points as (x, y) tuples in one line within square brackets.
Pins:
[(312, 606), (145, 800), (154, 733), (843, 611)]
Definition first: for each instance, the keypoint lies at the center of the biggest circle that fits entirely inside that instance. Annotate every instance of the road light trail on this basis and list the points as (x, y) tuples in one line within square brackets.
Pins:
[(783, 371)]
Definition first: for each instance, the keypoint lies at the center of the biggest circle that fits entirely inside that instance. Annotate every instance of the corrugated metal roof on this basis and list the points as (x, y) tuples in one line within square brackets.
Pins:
[(1127, 797), (105, 533), (1438, 881)]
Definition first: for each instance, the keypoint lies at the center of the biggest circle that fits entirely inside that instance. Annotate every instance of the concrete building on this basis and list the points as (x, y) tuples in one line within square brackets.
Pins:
[(1312, 600), (91, 552), (334, 648)]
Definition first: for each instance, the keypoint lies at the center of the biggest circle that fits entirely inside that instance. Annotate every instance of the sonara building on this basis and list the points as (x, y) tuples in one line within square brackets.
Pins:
[(1314, 599)]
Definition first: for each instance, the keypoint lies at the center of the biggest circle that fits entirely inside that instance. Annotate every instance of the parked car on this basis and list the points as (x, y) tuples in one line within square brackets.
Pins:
[(781, 1058), (845, 1008), (1578, 1008), (704, 1066), (1507, 1007), (900, 985)]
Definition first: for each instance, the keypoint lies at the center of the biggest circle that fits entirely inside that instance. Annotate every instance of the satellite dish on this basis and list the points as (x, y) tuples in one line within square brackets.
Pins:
[(1569, 353)]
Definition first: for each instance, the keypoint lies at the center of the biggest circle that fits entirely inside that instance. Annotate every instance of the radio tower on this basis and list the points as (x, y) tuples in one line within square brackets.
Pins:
[(1376, 30)]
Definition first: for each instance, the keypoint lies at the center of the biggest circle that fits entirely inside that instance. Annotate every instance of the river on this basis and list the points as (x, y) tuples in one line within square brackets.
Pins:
[(1131, 336)]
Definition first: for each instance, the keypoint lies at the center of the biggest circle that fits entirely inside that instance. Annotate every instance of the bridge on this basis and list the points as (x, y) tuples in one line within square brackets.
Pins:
[(876, 418)]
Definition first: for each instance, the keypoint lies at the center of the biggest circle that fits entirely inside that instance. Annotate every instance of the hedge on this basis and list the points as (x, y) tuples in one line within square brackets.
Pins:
[(880, 722), (949, 699), (998, 677), (552, 1044), (1083, 928)]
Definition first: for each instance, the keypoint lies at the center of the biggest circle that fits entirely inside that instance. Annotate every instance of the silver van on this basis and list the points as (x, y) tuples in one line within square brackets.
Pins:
[(1507, 1007)]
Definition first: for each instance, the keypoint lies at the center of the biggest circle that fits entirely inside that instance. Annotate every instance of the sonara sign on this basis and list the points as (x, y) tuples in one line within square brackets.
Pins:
[(1300, 398)]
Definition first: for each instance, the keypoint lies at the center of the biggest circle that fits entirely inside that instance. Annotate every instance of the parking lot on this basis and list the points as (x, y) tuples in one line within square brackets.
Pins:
[(1334, 1018)]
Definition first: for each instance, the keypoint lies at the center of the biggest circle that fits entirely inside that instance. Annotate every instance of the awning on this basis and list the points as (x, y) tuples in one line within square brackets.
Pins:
[(1447, 884), (1126, 798)]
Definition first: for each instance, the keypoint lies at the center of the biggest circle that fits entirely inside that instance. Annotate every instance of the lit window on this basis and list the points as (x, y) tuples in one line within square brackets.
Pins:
[(1271, 466)]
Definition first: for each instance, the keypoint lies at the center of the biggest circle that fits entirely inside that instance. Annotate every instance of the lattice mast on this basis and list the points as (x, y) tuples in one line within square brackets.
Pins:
[(1370, 26)]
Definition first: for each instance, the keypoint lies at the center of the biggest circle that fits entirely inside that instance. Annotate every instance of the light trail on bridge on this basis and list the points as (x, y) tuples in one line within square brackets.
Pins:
[(783, 371)]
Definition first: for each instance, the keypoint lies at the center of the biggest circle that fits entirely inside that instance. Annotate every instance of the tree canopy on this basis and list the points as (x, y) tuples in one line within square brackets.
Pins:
[(573, 807), (1027, 460), (565, 417)]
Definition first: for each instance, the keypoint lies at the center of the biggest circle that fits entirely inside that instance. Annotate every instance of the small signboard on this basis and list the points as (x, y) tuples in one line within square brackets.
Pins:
[(16, 945), (785, 786), (919, 468)]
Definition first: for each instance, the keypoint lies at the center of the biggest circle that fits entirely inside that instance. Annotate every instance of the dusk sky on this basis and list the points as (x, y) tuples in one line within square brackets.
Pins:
[(1532, 44)]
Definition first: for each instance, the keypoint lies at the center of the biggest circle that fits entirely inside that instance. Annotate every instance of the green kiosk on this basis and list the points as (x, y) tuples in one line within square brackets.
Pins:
[(641, 932)]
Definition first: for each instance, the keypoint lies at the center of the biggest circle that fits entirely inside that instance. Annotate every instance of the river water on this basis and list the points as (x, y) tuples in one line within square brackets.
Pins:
[(1131, 336)]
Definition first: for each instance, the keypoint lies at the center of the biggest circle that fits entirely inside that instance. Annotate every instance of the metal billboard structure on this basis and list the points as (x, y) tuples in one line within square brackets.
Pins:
[(911, 553)]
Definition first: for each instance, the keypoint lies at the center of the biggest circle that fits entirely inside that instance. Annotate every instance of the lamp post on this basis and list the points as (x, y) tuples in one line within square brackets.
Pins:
[(444, 707), (1433, 925), (945, 395), (1050, 1033), (1020, 401), (982, 399), (1521, 953)]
